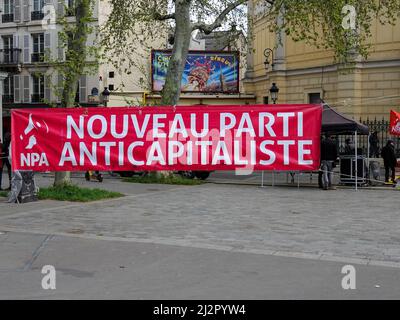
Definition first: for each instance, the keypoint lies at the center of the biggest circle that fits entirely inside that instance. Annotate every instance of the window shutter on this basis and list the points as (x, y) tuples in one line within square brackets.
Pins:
[(27, 80), (60, 87), (17, 10), (47, 90), (61, 8), (26, 12), (47, 44), (60, 50), (15, 53), (82, 88), (15, 41), (27, 57), (47, 40), (17, 97)]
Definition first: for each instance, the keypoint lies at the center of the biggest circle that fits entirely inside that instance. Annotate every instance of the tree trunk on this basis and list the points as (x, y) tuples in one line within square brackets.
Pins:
[(71, 81), (183, 30)]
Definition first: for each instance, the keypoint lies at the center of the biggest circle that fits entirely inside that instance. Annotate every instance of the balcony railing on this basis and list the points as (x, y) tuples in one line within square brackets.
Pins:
[(37, 15), (37, 97), (7, 17), (10, 56), (37, 57), (8, 98)]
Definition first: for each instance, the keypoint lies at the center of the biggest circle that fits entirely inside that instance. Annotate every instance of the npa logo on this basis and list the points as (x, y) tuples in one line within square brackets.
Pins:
[(30, 158)]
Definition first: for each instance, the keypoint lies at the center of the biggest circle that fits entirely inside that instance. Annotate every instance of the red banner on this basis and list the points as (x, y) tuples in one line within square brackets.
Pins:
[(255, 137), (395, 123)]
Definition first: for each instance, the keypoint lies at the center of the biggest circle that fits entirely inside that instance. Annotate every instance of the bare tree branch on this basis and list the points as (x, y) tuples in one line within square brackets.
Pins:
[(208, 28), (162, 17)]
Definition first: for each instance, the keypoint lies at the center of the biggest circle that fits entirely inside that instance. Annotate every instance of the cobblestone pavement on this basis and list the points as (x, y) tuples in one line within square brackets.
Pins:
[(343, 225)]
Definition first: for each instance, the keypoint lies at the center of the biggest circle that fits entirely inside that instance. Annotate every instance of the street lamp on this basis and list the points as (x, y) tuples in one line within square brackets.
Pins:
[(274, 92), (106, 96), (267, 54)]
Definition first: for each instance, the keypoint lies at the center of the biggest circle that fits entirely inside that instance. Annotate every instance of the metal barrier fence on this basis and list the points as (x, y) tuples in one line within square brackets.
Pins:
[(381, 127)]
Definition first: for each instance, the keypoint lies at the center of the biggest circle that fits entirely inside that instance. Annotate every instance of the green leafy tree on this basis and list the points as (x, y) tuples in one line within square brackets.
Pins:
[(80, 58), (134, 22), (329, 24), (318, 22)]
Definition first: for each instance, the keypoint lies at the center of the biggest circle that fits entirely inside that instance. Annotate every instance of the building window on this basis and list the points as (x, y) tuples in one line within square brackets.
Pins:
[(38, 47), (8, 96), (68, 48), (70, 8), (38, 88), (111, 87), (265, 100), (8, 46), (8, 15), (314, 98), (37, 13), (77, 94), (111, 74)]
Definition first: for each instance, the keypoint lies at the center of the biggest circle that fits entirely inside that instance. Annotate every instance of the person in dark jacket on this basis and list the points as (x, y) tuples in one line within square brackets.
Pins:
[(4, 155), (389, 160), (373, 145), (328, 157), (348, 147)]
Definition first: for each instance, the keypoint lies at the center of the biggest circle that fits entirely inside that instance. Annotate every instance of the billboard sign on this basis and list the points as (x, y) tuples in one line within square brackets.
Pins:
[(205, 71)]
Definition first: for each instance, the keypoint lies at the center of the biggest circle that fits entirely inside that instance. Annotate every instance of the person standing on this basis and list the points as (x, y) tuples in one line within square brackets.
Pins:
[(348, 147), (328, 158), (5, 149), (373, 145), (389, 160)]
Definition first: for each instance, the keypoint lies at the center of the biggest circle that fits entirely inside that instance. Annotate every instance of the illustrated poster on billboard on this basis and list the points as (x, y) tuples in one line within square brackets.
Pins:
[(205, 71)]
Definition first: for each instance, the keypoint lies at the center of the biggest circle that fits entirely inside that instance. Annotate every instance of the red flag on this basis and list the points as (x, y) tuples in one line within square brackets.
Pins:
[(395, 123)]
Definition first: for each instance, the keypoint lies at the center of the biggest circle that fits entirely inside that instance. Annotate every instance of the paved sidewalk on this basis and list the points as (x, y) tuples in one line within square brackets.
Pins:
[(361, 225), (107, 269), (292, 242)]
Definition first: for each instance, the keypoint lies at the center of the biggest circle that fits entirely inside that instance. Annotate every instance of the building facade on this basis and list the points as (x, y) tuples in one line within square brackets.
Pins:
[(305, 74), (28, 32)]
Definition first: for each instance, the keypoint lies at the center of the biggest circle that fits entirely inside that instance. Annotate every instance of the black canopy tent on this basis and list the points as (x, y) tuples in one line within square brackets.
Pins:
[(334, 122)]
